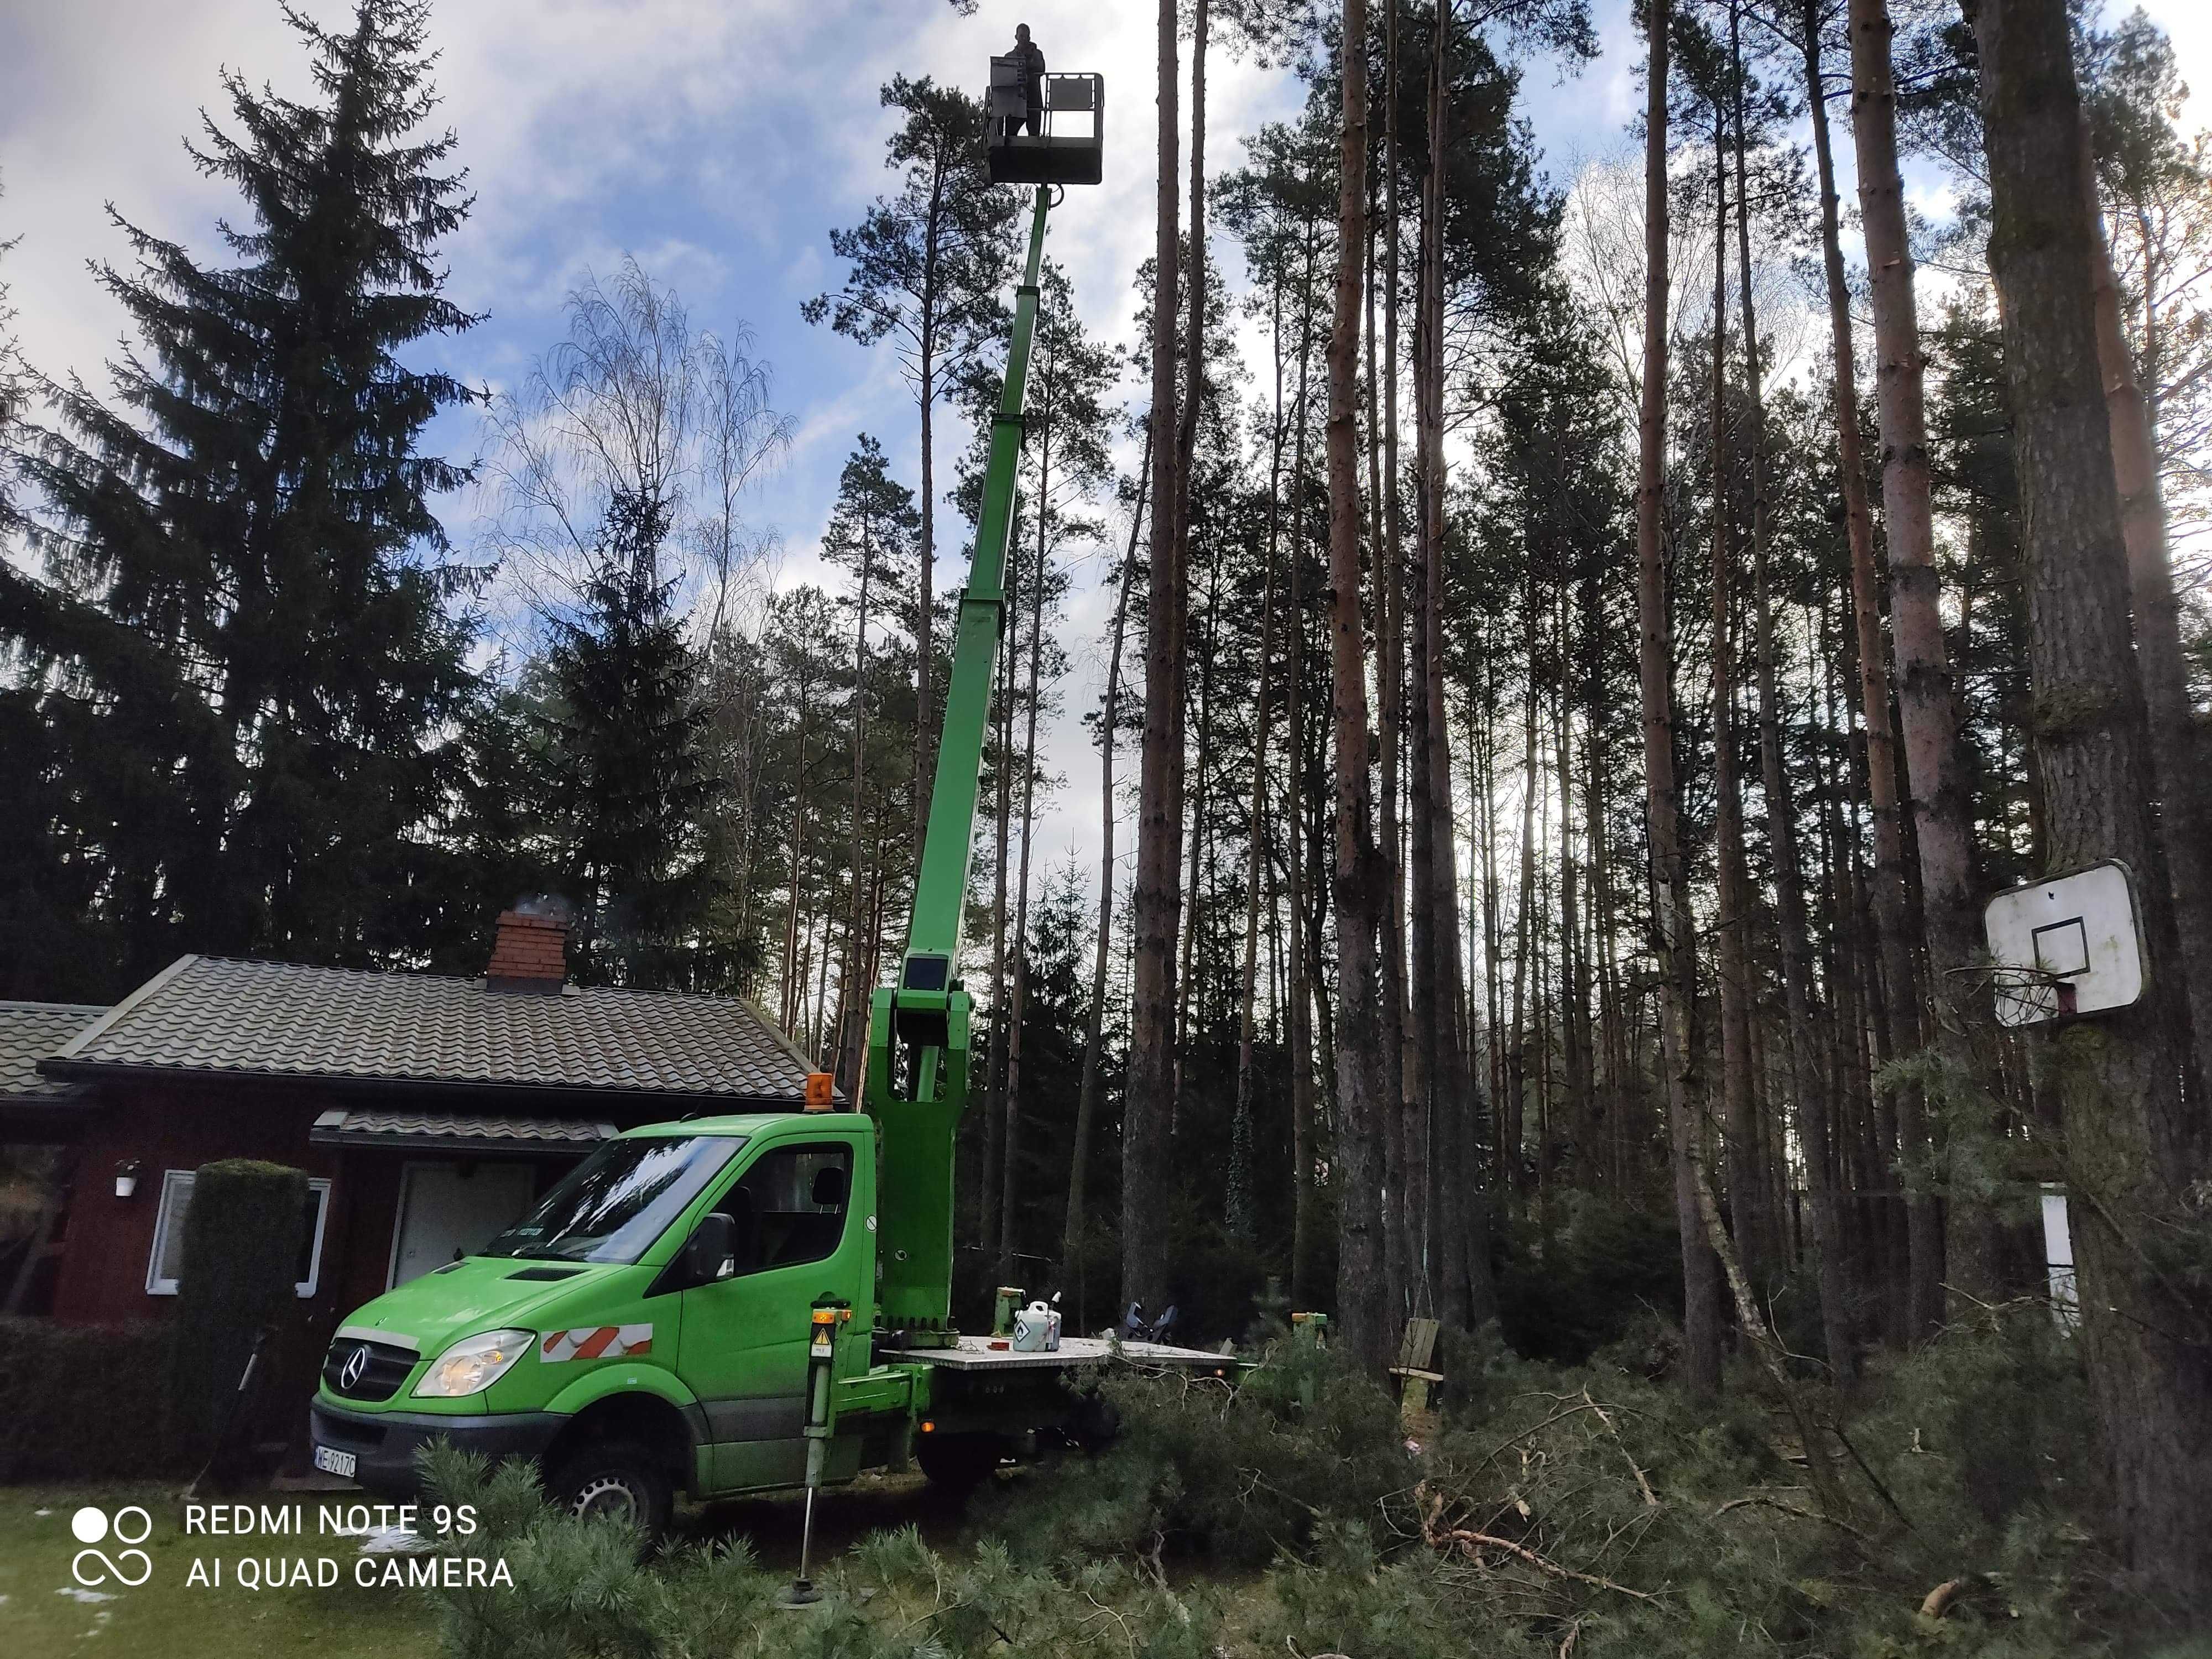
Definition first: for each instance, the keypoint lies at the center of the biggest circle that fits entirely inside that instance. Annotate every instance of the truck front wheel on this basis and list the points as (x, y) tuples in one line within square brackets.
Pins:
[(617, 1479), (958, 1462)]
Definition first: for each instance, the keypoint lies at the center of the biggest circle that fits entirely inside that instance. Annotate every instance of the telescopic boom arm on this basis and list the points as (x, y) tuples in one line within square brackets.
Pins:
[(918, 1029)]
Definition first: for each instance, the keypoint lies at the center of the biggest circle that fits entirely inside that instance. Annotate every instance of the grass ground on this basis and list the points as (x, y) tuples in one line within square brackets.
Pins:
[(45, 1611)]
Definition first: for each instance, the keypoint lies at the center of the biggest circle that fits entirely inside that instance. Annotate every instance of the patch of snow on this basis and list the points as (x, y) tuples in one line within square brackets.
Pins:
[(77, 1595), (392, 1541)]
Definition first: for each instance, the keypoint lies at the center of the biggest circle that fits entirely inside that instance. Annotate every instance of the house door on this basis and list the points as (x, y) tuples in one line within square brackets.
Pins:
[(448, 1210)]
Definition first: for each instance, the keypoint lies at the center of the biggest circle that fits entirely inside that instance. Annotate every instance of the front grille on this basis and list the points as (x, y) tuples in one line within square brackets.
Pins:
[(383, 1368)]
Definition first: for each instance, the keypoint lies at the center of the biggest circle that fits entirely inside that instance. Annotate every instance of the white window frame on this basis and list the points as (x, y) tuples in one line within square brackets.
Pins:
[(176, 1198)]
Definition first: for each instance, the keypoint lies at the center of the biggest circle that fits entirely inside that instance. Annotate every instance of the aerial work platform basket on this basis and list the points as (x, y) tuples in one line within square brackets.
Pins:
[(1060, 141)]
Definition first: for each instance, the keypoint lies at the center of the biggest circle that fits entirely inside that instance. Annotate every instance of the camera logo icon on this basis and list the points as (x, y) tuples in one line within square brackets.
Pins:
[(91, 1565)]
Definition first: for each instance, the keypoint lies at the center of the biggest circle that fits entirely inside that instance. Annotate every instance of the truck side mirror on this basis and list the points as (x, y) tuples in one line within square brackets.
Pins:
[(711, 1252)]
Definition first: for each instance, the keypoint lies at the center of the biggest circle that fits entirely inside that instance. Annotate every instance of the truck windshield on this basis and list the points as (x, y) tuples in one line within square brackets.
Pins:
[(614, 1204)]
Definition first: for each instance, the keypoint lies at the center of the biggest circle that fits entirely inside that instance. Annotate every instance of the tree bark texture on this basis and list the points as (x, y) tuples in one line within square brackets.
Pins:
[(2131, 1148), (1146, 1171), (1362, 1312), (1467, 1292), (1897, 1012), (1075, 1237), (1731, 954), (1673, 934), (1807, 1082), (1925, 702), (2178, 751)]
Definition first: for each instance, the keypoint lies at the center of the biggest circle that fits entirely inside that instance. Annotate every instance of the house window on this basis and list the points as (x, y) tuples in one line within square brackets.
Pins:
[(166, 1263)]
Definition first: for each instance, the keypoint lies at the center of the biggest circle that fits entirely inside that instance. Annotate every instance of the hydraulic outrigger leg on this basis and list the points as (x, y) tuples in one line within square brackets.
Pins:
[(918, 1029)]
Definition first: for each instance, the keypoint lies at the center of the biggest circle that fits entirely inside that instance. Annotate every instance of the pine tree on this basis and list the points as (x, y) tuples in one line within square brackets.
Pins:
[(925, 270), (631, 790), (256, 658), (873, 533)]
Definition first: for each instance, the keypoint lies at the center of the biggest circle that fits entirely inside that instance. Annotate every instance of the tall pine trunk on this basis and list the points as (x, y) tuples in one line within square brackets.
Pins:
[(1242, 1147), (1807, 1079), (1358, 877), (1895, 998), (1306, 1217), (1731, 949), (1146, 1170), (852, 1033), (1425, 1055), (1462, 1204), (1404, 1137), (994, 1088), (1925, 694), (1194, 372), (2178, 752), (1010, 1189), (2132, 1147), (1672, 925), (924, 613), (1075, 1234)]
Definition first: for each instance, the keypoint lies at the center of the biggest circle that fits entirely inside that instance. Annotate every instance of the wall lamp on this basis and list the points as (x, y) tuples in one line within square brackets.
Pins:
[(126, 1177)]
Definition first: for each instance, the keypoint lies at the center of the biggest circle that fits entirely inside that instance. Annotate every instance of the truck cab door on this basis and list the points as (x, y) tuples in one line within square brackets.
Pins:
[(743, 1350)]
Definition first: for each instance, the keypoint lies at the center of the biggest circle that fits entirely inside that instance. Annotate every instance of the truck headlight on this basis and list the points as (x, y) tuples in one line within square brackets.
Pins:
[(472, 1365)]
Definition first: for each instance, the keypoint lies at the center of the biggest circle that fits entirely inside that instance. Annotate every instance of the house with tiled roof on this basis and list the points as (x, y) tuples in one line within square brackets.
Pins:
[(428, 1111)]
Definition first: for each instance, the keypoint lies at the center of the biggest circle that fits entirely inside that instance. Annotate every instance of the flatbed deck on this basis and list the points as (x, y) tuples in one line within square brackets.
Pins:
[(976, 1353)]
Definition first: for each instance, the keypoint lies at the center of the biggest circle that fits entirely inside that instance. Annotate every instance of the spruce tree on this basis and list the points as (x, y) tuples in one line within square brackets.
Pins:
[(251, 623), (630, 792), (15, 386)]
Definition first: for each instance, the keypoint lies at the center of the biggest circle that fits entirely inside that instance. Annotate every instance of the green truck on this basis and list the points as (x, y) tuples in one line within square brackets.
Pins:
[(739, 1303)]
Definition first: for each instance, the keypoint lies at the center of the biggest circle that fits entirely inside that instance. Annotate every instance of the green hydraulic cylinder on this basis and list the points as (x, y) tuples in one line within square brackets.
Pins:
[(925, 1017)]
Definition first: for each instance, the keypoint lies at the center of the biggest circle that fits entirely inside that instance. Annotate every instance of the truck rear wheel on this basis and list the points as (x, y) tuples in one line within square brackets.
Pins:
[(958, 1462), (619, 1479)]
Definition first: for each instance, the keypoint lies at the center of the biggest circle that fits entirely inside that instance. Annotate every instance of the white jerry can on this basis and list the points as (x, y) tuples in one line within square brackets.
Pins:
[(1036, 1329)]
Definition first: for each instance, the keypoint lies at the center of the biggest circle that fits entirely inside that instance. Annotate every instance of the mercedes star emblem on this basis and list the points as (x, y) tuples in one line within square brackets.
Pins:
[(349, 1373)]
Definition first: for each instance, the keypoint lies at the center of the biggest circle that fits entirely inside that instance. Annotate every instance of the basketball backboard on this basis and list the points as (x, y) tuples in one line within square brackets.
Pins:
[(2066, 945)]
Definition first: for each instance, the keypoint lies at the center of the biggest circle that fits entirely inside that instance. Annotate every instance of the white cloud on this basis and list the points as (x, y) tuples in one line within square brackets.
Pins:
[(720, 140)]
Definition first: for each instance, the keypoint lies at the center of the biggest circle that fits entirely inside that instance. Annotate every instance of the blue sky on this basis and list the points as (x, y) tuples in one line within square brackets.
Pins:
[(717, 140)]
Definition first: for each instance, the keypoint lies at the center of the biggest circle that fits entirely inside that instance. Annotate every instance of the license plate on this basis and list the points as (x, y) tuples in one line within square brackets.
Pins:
[(335, 1463)]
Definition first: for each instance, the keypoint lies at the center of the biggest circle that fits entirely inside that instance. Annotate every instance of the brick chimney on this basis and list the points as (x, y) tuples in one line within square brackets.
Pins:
[(531, 951)]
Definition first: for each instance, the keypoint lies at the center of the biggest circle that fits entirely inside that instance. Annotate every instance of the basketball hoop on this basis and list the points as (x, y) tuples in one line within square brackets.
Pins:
[(2025, 996)]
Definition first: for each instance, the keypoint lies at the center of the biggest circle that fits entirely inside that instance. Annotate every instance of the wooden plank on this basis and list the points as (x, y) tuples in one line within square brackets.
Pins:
[(1419, 1344)]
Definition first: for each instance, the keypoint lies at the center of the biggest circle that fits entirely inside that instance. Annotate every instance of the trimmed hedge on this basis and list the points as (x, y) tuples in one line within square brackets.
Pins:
[(81, 1402), (241, 1247)]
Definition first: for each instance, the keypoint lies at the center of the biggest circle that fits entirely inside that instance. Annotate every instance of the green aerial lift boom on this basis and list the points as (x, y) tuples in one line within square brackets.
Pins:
[(918, 1029)]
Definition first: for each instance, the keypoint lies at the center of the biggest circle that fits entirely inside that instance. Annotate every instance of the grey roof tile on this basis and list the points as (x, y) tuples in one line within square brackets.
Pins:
[(462, 1126), (29, 1031), (279, 1020)]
